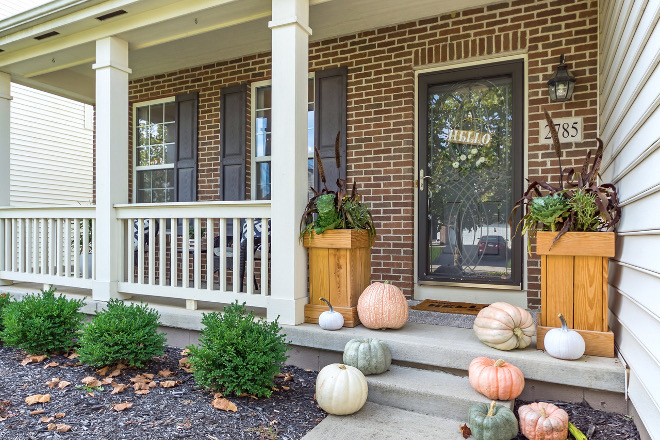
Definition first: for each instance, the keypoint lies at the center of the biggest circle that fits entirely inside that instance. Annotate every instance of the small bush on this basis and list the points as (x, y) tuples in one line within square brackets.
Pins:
[(121, 333), (4, 301), (238, 353), (42, 323)]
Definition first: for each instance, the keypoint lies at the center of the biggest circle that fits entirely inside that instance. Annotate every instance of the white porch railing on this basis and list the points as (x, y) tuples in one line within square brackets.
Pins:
[(188, 251), (48, 245)]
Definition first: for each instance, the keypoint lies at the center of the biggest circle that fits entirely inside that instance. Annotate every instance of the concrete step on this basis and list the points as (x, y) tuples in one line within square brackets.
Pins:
[(425, 392), (380, 422)]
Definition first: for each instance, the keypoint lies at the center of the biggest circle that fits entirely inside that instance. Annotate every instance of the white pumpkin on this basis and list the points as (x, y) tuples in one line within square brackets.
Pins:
[(563, 343), (504, 326), (330, 320), (341, 389)]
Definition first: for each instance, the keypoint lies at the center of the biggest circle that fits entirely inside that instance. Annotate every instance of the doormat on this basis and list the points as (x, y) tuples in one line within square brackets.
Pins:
[(432, 305)]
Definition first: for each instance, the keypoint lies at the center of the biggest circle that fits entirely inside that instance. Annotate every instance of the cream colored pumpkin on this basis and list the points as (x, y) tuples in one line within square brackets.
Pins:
[(543, 421), (504, 326), (341, 389), (382, 305)]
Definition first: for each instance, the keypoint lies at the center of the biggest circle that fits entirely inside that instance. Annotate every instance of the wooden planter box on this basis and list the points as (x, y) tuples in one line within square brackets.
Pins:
[(339, 270), (574, 283)]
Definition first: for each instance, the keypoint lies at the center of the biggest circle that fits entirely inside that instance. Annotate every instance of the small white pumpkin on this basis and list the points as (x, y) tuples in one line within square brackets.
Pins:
[(341, 389), (563, 343), (330, 320)]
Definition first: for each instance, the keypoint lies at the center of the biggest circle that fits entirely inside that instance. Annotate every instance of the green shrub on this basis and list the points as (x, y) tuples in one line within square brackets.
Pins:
[(121, 333), (4, 301), (42, 323), (238, 353)]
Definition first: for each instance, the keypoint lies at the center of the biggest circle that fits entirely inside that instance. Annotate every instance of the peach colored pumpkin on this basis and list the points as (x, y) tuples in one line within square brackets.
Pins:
[(543, 421), (381, 306), (504, 326), (496, 379)]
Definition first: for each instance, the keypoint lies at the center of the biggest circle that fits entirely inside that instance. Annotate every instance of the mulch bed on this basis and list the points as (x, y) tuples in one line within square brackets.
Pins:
[(606, 425), (183, 411)]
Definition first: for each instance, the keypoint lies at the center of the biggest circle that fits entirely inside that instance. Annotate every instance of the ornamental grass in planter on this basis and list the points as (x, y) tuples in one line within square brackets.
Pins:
[(338, 230), (573, 224)]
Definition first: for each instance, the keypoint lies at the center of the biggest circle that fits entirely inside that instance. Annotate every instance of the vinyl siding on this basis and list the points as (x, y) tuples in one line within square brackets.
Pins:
[(51, 150), (629, 112)]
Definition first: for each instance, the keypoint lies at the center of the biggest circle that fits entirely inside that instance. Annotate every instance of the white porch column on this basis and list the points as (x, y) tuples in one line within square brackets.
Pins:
[(5, 99), (111, 161), (290, 32)]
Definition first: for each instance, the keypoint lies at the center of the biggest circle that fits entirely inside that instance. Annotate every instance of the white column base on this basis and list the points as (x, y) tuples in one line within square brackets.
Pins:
[(6, 282), (103, 291), (290, 311)]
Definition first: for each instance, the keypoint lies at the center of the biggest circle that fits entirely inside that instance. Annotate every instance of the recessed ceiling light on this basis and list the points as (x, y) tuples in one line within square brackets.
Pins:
[(46, 35), (111, 14)]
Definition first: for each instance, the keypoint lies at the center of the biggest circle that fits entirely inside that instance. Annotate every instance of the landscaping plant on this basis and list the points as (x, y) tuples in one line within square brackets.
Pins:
[(4, 300), (122, 333), (238, 353), (578, 203), (42, 323)]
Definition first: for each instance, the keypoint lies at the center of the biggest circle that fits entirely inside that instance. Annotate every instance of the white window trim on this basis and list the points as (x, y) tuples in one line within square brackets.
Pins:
[(135, 138), (253, 134)]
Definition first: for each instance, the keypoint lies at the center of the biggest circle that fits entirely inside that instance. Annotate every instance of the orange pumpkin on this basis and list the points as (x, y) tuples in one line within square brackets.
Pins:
[(496, 379), (382, 305), (543, 421)]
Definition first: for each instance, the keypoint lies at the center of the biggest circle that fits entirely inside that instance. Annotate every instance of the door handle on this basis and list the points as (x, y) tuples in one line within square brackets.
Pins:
[(422, 177)]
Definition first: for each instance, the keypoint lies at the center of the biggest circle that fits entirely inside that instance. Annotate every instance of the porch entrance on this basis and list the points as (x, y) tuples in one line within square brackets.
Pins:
[(470, 175)]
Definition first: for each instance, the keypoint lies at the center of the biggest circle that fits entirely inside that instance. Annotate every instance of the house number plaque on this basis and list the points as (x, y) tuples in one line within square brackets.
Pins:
[(568, 129)]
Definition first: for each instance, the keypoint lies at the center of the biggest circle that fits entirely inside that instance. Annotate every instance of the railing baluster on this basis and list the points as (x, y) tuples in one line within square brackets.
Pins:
[(265, 256), (43, 245), (140, 256), (197, 259), (162, 252), (77, 248), (67, 247), (222, 259), (14, 237), (209, 254), (130, 251), (236, 250), (28, 245), (35, 246), (85, 247), (93, 248), (58, 247), (249, 276), (152, 252), (3, 244), (174, 257), (185, 249), (51, 247), (21, 245)]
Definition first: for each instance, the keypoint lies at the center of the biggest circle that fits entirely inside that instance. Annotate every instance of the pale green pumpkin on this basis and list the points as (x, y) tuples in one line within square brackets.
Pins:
[(370, 356), (492, 422)]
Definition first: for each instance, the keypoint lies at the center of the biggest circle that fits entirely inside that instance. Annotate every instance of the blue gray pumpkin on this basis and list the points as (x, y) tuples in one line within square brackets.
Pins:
[(492, 422), (370, 356)]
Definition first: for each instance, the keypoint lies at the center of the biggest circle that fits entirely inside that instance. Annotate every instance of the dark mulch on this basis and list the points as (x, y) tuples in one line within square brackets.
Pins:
[(184, 411), (606, 425)]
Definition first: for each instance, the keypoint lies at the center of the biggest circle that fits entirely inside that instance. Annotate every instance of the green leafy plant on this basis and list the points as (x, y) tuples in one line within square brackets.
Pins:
[(42, 323), (238, 353), (4, 301), (329, 209), (121, 333), (577, 203)]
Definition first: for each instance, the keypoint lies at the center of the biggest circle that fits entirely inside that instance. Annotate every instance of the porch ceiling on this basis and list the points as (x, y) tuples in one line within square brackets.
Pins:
[(167, 35)]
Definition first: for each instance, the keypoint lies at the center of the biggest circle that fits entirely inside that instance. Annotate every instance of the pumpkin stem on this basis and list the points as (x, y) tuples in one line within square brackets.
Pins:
[(326, 301), (517, 332), (498, 363), (491, 410), (342, 366), (386, 282), (543, 413), (564, 325)]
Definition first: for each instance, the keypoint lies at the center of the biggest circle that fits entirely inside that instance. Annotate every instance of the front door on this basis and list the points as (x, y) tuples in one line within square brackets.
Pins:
[(470, 174)]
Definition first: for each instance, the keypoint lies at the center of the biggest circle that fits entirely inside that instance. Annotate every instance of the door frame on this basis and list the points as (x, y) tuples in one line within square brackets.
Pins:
[(465, 292)]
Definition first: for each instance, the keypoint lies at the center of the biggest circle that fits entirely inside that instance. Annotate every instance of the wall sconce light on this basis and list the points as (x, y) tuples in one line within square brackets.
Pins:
[(562, 83)]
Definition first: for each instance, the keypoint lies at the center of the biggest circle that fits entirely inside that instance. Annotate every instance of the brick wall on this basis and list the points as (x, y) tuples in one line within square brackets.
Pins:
[(381, 101)]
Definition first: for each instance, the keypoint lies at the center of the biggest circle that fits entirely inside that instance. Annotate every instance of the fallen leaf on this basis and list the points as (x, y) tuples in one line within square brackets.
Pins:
[(102, 371), (73, 356), (59, 415), (118, 388), (185, 352), (465, 431), (51, 364), (91, 382), (148, 376), (116, 372), (153, 384), (141, 392), (274, 388), (106, 381), (121, 406), (286, 388), (53, 382), (37, 398), (33, 358), (224, 404), (166, 373), (47, 419), (170, 383), (288, 377), (59, 427), (37, 411), (90, 394), (139, 379), (217, 395), (141, 386), (63, 384)]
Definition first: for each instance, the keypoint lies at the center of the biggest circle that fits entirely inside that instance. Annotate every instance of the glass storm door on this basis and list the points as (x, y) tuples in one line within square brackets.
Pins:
[(470, 174)]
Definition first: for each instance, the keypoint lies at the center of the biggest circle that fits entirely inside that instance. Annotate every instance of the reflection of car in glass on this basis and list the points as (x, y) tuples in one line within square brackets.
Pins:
[(491, 245)]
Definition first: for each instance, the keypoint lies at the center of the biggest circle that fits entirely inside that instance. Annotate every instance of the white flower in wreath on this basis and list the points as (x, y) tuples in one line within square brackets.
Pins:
[(469, 156), (473, 151), (481, 160), (455, 164), (463, 157)]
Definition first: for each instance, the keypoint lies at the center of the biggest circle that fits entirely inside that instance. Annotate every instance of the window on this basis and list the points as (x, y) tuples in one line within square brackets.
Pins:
[(155, 151), (261, 139)]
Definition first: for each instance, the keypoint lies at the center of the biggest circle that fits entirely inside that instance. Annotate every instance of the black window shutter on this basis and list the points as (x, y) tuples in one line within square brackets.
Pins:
[(185, 167), (330, 119), (232, 142)]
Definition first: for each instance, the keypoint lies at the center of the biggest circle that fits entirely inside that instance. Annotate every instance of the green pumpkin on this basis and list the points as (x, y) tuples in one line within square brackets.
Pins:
[(370, 356), (492, 422)]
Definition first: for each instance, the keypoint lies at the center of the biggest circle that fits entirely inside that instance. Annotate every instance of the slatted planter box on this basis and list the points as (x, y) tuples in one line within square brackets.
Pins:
[(574, 283), (339, 270)]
